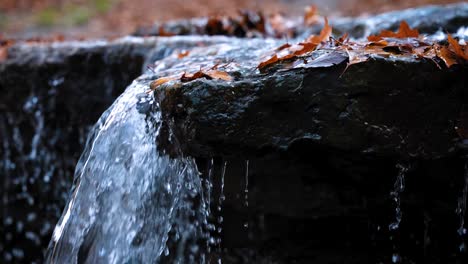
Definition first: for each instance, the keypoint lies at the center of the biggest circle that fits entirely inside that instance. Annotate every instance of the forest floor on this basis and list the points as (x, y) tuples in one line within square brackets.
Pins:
[(111, 18)]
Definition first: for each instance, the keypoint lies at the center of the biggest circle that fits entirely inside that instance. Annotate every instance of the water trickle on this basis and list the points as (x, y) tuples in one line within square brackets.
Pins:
[(395, 194), (127, 196), (461, 211), (246, 191)]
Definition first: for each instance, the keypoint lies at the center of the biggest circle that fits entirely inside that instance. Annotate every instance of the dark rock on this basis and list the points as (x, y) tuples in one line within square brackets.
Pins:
[(323, 148)]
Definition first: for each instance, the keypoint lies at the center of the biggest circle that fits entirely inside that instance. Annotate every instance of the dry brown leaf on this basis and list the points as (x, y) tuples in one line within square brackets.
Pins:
[(403, 32), (158, 82), (183, 54), (284, 46), (459, 50), (217, 74), (323, 36), (447, 56), (268, 62), (163, 33), (310, 15)]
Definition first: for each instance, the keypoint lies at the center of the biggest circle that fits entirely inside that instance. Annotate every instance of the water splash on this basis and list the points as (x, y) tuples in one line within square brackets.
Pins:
[(461, 211), (127, 196)]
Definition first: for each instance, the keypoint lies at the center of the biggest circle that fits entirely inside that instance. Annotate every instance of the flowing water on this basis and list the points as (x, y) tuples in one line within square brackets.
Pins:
[(461, 212), (398, 188), (127, 196)]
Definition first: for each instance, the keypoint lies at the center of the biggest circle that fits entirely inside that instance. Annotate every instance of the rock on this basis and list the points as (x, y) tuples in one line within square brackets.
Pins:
[(383, 106), (427, 19), (324, 148)]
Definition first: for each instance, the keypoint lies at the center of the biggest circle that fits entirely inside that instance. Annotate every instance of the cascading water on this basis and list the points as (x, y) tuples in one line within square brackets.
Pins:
[(398, 188), (127, 196), (461, 212)]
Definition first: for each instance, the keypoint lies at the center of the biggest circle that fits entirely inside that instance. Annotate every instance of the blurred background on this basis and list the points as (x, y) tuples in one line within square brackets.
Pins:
[(108, 18)]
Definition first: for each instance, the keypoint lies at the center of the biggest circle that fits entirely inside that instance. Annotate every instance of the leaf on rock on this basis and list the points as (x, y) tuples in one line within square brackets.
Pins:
[(323, 36), (158, 82), (163, 33), (284, 46), (403, 32), (460, 51), (217, 74), (183, 54), (447, 56), (268, 62)]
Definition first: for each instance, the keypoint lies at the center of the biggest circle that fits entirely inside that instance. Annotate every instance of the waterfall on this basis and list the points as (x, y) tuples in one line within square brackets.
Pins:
[(127, 197)]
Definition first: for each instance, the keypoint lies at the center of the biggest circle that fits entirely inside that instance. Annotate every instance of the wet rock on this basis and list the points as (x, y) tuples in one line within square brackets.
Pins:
[(394, 107), (312, 154)]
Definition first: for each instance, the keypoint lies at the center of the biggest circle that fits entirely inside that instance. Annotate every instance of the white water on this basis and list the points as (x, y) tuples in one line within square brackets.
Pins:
[(127, 197)]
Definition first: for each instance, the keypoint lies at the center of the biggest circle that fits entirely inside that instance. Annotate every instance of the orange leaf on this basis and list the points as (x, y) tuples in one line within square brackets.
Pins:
[(324, 34), (403, 32), (163, 33), (183, 54), (306, 47), (447, 56), (310, 15), (268, 62), (457, 48), (284, 46), (374, 38), (216, 74), (158, 82)]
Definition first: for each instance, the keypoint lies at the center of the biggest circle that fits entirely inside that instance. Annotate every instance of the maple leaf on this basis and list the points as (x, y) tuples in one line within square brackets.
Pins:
[(325, 33), (310, 15), (403, 32), (447, 56), (459, 51)]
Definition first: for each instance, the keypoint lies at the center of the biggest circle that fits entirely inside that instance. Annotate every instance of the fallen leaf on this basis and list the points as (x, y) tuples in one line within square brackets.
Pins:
[(403, 32), (459, 51), (284, 46), (325, 33), (268, 62), (310, 15), (163, 33), (183, 54), (222, 75), (447, 56), (158, 82)]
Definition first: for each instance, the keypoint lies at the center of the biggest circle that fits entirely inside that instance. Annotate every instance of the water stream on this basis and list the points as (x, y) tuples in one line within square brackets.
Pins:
[(398, 188), (127, 196), (461, 212)]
